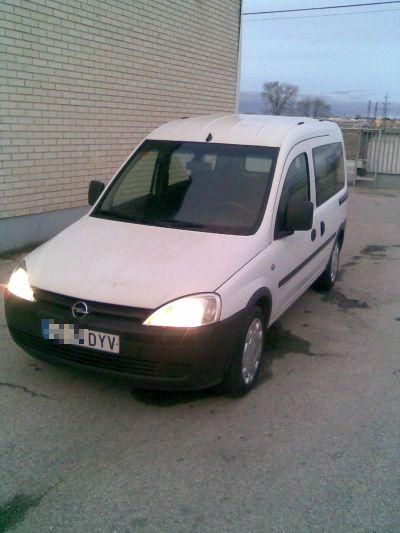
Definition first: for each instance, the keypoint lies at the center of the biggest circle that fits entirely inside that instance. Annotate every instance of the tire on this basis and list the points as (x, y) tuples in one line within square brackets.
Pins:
[(328, 277), (242, 374)]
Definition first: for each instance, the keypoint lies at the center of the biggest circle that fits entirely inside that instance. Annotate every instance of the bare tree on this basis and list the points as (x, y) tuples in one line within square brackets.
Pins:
[(304, 107), (313, 107), (320, 108), (279, 97)]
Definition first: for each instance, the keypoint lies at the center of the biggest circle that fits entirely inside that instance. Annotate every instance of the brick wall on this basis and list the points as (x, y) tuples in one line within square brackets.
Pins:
[(83, 81)]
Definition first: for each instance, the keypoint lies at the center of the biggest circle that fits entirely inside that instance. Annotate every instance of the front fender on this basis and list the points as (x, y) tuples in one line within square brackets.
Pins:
[(248, 285)]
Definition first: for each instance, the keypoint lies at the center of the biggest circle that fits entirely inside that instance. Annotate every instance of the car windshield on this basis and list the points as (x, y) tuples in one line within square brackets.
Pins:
[(217, 188)]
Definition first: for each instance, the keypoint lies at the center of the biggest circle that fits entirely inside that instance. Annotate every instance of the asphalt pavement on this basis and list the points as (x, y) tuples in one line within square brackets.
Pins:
[(315, 447)]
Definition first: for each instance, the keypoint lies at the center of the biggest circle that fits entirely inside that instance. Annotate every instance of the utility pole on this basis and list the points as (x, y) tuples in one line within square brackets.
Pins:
[(385, 109), (369, 111), (375, 111)]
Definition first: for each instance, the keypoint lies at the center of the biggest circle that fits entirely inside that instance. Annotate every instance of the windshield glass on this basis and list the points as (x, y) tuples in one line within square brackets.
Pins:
[(217, 188)]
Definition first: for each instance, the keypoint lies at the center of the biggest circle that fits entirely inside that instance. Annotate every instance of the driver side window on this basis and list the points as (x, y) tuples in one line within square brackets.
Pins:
[(296, 187)]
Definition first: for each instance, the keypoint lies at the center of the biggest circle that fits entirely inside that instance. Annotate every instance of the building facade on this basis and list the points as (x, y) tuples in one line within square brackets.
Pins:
[(84, 81)]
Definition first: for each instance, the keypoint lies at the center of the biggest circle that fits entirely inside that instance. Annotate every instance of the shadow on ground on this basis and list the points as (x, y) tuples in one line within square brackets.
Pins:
[(15, 509), (172, 398), (279, 342)]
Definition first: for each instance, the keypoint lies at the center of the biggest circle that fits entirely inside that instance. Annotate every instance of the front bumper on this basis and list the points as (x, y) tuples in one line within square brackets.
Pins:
[(152, 357)]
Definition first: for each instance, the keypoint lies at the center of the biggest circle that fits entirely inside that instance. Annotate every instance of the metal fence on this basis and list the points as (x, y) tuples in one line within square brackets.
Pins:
[(378, 157)]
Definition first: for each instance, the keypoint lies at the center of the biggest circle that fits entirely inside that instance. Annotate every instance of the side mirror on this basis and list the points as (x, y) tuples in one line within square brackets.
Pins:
[(299, 215), (95, 189)]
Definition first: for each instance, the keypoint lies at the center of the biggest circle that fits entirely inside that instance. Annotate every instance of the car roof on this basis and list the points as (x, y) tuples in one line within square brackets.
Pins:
[(259, 130)]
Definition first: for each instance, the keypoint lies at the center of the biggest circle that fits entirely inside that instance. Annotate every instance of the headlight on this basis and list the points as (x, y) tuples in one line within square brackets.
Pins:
[(19, 283), (187, 312)]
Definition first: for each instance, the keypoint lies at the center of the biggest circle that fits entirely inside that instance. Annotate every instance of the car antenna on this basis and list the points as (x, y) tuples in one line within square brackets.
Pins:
[(209, 138)]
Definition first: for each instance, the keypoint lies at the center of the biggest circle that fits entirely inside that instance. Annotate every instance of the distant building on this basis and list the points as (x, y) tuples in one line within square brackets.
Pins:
[(350, 122), (85, 81)]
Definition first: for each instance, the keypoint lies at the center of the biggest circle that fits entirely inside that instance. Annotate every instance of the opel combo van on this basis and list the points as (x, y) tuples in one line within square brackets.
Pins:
[(209, 231)]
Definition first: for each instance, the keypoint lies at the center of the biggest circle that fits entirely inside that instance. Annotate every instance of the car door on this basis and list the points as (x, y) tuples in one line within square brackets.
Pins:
[(295, 266), (327, 166)]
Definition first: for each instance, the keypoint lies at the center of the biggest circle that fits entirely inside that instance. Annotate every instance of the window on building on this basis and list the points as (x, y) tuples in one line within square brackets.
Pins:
[(329, 170)]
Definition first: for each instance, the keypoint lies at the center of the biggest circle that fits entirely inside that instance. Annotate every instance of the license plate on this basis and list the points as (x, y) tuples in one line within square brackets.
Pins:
[(79, 336)]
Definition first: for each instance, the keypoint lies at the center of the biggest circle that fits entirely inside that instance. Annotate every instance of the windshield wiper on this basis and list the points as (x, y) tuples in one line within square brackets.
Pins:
[(116, 215), (183, 224), (166, 223)]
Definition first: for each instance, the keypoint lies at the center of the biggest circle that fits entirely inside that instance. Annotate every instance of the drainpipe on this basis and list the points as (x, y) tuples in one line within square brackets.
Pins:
[(239, 58)]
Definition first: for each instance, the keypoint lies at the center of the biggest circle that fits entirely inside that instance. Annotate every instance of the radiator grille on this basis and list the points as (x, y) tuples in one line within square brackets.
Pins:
[(62, 302)]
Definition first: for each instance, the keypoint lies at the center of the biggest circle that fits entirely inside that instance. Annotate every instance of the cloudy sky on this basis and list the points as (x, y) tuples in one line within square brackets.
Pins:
[(331, 52)]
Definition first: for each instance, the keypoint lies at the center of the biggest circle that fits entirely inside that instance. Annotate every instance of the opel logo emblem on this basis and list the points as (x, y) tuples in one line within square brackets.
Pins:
[(80, 310)]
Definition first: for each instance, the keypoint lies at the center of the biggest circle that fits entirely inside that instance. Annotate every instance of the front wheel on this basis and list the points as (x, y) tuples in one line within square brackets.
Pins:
[(242, 374), (328, 277)]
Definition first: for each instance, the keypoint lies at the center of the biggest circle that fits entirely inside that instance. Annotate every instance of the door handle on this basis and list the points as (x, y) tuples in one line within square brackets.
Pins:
[(313, 234), (322, 228)]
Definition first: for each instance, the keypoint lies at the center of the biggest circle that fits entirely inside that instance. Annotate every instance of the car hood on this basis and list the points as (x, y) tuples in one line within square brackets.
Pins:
[(135, 265)]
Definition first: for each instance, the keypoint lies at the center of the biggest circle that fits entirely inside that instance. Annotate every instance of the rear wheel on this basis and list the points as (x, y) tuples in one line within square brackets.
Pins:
[(328, 277), (242, 375)]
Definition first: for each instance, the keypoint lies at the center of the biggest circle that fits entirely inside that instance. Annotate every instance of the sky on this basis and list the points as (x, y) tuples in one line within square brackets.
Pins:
[(354, 57)]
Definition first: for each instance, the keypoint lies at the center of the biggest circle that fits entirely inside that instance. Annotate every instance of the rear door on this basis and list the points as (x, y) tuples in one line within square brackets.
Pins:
[(295, 265)]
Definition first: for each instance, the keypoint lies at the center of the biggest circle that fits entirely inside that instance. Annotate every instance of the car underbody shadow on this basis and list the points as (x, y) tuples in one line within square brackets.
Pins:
[(172, 398), (279, 342)]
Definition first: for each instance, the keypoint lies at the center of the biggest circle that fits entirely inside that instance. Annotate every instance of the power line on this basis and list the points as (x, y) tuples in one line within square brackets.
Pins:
[(320, 8), (330, 15)]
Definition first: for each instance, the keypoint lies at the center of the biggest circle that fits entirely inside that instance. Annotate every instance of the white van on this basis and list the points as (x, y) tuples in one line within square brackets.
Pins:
[(210, 230)]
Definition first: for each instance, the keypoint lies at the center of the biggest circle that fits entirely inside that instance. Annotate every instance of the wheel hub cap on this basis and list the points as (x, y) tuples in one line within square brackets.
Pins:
[(252, 351), (334, 261)]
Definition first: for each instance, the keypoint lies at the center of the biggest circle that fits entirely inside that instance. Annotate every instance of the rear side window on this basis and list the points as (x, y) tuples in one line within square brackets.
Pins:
[(178, 167), (329, 170), (257, 164)]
